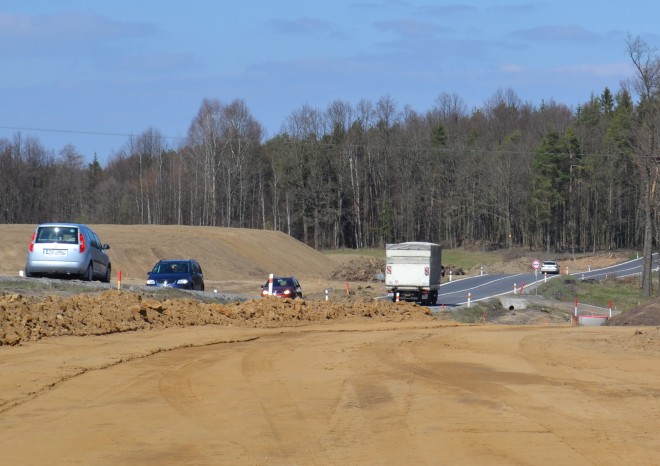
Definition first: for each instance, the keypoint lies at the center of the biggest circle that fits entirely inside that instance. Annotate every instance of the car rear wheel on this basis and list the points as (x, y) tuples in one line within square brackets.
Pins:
[(89, 274), (106, 279)]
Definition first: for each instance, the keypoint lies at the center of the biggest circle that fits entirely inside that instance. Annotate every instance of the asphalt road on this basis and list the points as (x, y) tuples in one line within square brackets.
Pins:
[(460, 292)]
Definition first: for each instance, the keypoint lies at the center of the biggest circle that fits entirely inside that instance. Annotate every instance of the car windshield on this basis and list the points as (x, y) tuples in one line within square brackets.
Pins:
[(172, 267), (67, 235), (281, 282)]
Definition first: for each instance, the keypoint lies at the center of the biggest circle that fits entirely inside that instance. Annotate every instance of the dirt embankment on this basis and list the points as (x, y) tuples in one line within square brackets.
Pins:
[(24, 318), (233, 259)]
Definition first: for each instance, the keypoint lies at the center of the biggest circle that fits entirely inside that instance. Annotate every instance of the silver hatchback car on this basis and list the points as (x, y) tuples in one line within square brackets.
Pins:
[(67, 249)]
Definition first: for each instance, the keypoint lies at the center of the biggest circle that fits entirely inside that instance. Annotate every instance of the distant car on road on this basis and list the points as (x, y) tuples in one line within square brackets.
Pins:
[(73, 249), (550, 267), (180, 273), (284, 287)]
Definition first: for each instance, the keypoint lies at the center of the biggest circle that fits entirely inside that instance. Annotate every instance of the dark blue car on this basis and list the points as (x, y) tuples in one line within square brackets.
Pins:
[(186, 274)]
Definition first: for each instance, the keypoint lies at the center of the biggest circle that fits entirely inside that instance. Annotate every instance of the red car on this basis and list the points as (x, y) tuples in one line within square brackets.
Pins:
[(283, 287)]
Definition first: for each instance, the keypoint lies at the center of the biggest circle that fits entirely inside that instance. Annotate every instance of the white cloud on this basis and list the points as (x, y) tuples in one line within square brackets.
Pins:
[(303, 26), (599, 69), (68, 26), (555, 33), (512, 68), (411, 27), (149, 63)]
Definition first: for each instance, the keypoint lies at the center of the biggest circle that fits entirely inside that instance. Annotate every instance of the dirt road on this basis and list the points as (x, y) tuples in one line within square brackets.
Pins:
[(342, 393)]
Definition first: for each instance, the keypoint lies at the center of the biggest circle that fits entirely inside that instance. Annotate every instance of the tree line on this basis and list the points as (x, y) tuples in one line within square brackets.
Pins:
[(508, 173)]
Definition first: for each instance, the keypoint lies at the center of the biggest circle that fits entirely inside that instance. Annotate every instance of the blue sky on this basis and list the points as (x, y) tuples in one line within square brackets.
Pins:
[(92, 73)]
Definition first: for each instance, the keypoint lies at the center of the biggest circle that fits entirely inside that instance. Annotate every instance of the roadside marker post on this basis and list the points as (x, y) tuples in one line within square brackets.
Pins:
[(515, 289), (119, 280), (397, 296), (536, 279), (610, 308), (469, 298), (270, 285), (576, 306), (326, 295)]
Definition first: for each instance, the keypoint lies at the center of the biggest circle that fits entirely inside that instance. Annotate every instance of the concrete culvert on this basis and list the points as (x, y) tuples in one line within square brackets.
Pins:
[(512, 303)]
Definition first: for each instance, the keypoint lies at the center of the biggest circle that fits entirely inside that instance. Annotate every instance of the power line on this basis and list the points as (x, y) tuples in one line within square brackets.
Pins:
[(88, 133)]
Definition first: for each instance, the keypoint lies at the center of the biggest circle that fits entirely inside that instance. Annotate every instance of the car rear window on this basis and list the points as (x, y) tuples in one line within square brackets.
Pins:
[(66, 235)]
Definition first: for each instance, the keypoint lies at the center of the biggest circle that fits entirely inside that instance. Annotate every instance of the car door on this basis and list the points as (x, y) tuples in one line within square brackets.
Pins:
[(198, 277), (99, 257)]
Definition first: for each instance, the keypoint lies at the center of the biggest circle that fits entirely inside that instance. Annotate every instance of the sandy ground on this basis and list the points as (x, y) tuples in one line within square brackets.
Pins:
[(343, 393), (115, 377)]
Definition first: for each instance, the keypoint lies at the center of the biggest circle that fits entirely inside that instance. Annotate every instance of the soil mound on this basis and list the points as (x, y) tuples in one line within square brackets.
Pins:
[(360, 269), (226, 254), (648, 314), (29, 319)]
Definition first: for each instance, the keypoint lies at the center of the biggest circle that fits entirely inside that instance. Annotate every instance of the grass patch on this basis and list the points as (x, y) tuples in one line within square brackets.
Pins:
[(625, 293), (474, 313), (492, 311), (469, 259)]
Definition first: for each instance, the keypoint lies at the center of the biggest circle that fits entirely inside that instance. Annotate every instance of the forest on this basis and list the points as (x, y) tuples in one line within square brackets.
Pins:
[(506, 174)]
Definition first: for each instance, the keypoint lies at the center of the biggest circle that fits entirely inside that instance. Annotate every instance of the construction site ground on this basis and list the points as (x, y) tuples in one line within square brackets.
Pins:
[(106, 376)]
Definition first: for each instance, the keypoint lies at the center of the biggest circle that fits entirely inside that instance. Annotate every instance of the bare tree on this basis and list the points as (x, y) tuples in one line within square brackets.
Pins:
[(646, 84)]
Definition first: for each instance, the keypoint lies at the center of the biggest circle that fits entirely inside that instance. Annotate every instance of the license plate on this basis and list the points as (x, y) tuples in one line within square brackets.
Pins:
[(55, 252)]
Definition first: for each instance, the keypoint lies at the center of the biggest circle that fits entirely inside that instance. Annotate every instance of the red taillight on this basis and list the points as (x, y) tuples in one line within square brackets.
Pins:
[(82, 243), (34, 235)]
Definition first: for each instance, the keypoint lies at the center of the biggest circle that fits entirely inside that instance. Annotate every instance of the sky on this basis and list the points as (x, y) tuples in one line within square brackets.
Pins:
[(94, 73)]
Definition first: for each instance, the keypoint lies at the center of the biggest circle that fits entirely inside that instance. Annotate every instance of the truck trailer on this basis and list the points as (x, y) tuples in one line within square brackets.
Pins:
[(413, 271)]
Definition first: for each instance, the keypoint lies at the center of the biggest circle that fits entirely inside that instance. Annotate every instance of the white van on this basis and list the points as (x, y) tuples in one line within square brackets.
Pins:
[(67, 249)]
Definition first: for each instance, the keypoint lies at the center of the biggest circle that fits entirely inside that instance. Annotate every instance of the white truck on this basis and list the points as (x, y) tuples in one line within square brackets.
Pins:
[(413, 271)]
